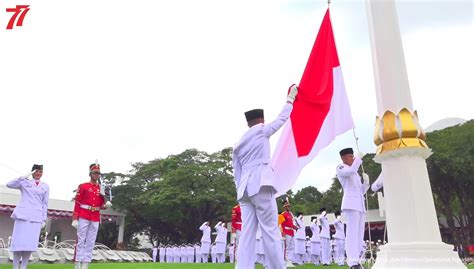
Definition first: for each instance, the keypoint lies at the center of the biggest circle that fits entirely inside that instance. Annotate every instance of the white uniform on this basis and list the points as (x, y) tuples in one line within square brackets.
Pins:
[(221, 242), (339, 237), (353, 208), (155, 253), (315, 244), (325, 244), (205, 242), (231, 253), (213, 253), (378, 183), (162, 253), (300, 242), (28, 215), (197, 249), (254, 179)]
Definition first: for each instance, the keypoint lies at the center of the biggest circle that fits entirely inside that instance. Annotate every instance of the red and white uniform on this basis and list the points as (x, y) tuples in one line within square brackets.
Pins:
[(88, 203), (288, 230)]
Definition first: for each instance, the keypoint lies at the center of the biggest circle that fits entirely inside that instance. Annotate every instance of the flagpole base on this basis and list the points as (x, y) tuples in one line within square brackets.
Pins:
[(417, 255)]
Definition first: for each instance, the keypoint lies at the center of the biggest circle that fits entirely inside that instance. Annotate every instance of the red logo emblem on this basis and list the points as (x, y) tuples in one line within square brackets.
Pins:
[(20, 13)]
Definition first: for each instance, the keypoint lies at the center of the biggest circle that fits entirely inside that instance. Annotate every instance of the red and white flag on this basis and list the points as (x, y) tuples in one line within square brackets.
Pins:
[(321, 111)]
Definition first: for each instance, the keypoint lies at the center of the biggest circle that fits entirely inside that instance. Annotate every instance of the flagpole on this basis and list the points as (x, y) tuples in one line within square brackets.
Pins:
[(366, 203)]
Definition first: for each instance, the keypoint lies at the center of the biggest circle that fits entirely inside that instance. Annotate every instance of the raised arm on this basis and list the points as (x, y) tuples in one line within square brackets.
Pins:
[(272, 127), (344, 171), (16, 183)]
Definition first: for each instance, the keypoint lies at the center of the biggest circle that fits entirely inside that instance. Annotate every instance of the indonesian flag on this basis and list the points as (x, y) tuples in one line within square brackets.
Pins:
[(320, 112)]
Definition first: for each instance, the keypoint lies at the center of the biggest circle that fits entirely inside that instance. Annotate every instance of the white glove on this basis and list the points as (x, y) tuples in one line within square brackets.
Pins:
[(27, 175), (75, 223), (108, 204), (292, 94), (43, 225), (366, 179), (360, 155)]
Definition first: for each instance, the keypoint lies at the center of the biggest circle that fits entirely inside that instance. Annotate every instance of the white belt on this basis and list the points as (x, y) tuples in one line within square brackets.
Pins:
[(238, 222), (287, 228), (91, 208)]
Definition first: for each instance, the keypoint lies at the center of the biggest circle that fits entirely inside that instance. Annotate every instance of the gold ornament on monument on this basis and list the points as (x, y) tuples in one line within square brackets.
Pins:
[(396, 131)]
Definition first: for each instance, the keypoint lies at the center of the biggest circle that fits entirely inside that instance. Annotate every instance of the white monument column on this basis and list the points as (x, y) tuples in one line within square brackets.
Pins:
[(413, 231)]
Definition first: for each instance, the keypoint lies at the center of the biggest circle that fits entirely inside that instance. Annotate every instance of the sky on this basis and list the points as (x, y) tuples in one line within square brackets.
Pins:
[(132, 81)]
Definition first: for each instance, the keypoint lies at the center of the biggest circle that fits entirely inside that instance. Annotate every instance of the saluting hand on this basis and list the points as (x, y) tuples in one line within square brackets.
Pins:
[(27, 175)]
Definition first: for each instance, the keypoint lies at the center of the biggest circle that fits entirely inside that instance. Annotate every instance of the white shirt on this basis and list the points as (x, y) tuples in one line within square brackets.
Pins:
[(206, 233), (354, 191), (251, 156)]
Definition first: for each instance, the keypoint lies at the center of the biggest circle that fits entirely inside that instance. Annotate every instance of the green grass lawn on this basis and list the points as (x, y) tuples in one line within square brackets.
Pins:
[(159, 266)]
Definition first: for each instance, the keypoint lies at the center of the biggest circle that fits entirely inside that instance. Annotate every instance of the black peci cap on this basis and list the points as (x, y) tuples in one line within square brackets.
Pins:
[(37, 167), (254, 114), (346, 151)]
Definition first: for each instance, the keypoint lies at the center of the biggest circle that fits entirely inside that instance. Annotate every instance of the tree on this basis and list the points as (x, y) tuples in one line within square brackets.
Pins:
[(168, 199), (451, 171)]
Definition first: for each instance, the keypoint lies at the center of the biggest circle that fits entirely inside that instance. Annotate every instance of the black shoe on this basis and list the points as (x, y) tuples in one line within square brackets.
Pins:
[(356, 267)]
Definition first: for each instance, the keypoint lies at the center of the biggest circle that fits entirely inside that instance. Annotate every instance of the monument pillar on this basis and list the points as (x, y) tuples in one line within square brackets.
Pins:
[(415, 240)]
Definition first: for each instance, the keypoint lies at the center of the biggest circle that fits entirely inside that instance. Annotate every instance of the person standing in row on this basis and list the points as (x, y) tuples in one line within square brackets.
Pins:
[(288, 230), (154, 253), (205, 241), (339, 238), (236, 225), (315, 242), (254, 181), (29, 215), (300, 240), (221, 241), (353, 206), (89, 200), (325, 236)]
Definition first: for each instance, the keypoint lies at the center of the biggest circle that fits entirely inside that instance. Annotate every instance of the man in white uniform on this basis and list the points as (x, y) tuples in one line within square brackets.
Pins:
[(325, 236), (339, 238), (221, 241), (315, 242), (154, 253), (353, 203), (254, 179), (205, 241), (197, 249), (300, 240)]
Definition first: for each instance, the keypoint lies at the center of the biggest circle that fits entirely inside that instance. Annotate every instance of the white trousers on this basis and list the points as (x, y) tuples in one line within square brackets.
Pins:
[(237, 240), (325, 251), (289, 248), (260, 210), (340, 251), (231, 256), (86, 236), (354, 235), (205, 247), (162, 258)]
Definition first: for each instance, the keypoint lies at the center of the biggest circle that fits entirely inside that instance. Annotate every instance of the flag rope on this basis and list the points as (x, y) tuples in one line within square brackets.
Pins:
[(366, 203)]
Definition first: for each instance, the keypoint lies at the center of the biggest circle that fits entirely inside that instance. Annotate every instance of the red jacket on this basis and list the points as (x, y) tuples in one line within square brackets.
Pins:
[(288, 227), (236, 218), (88, 194)]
